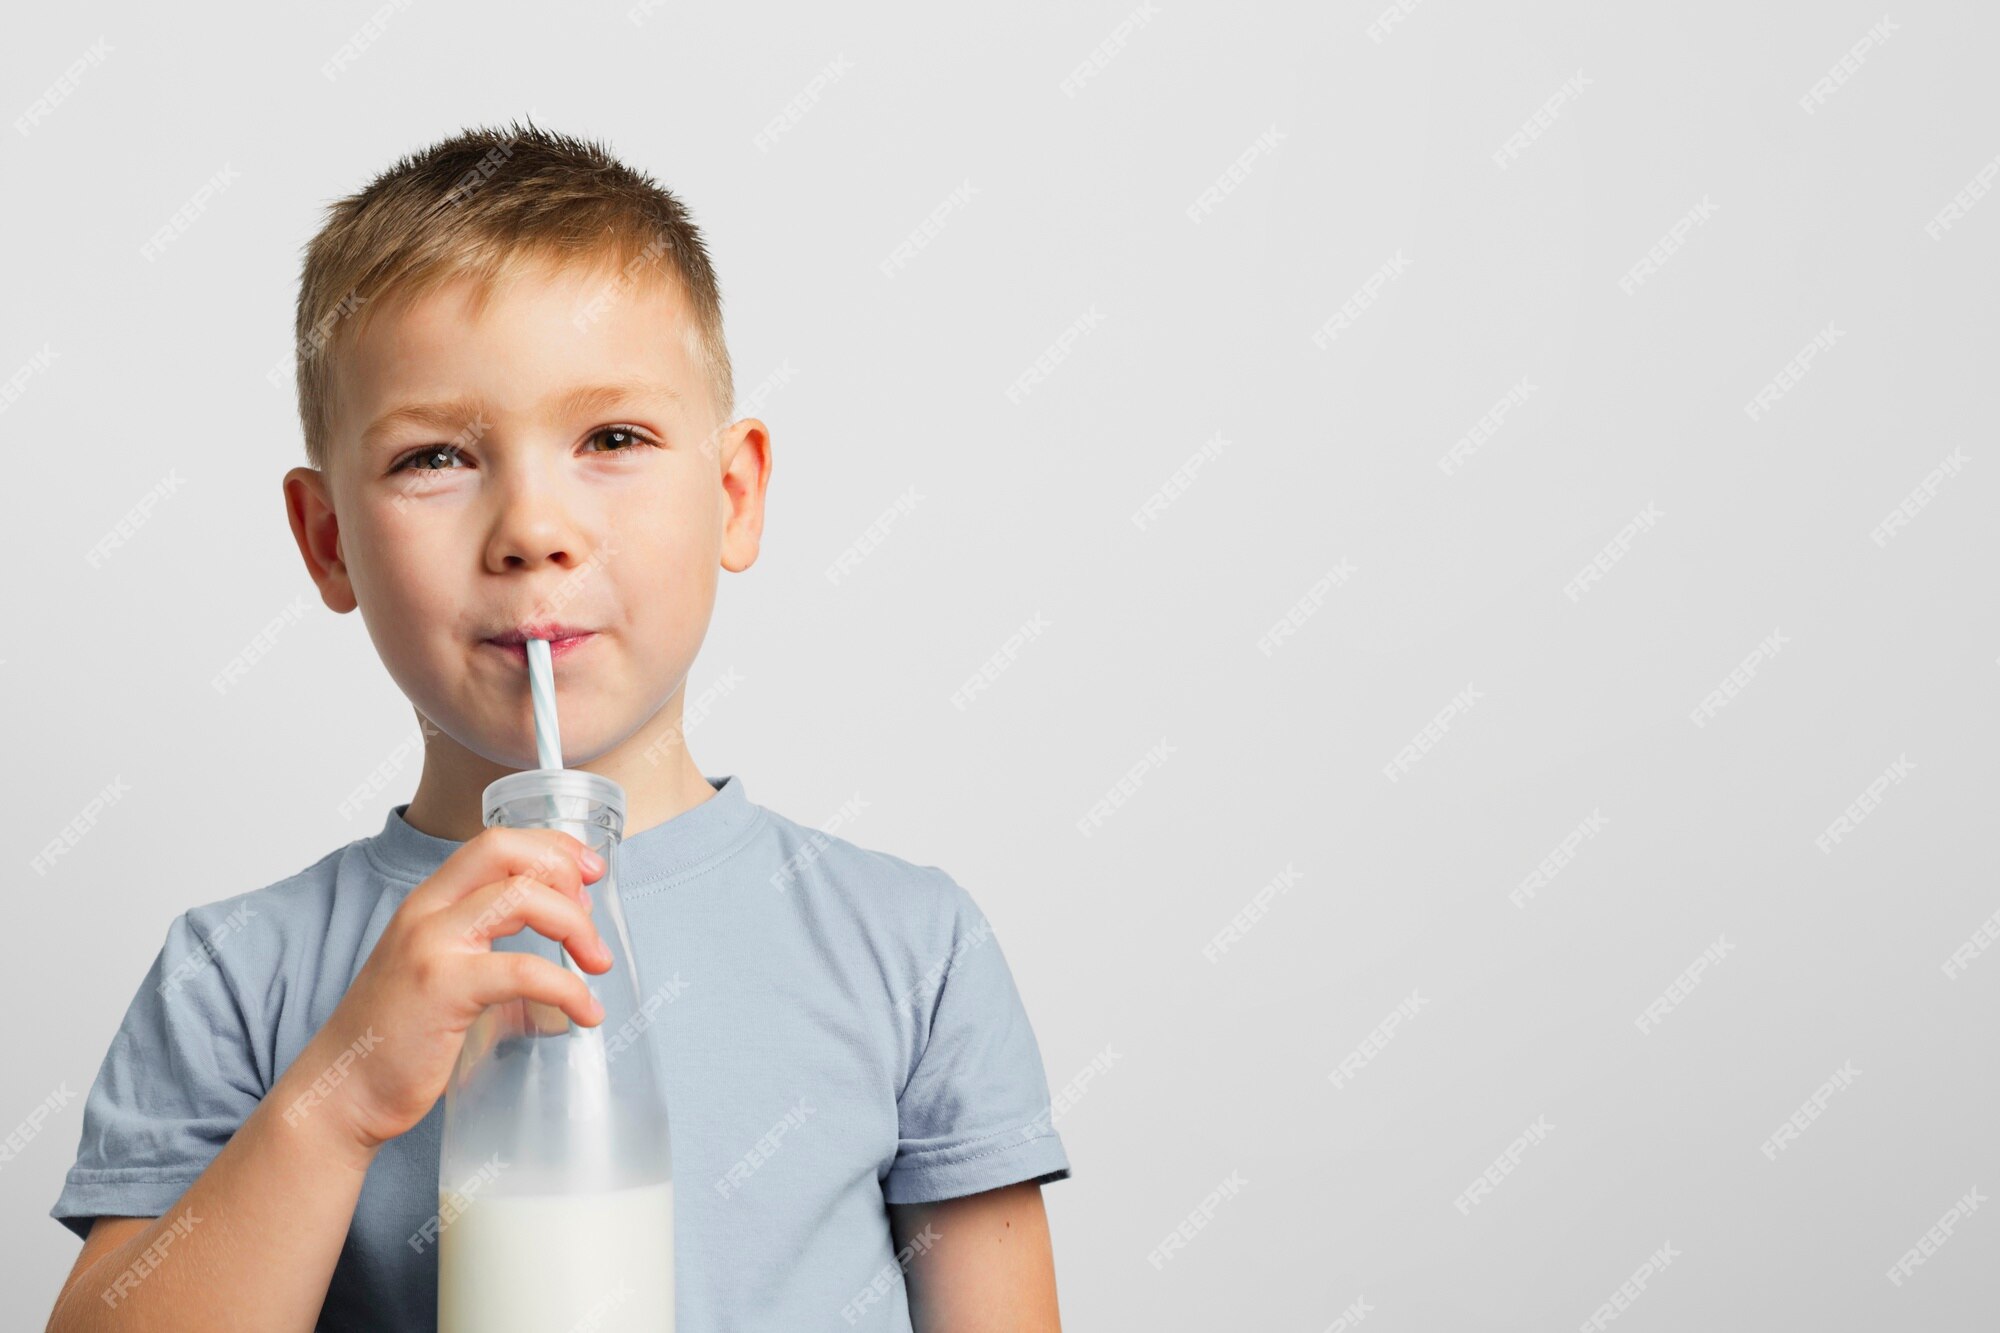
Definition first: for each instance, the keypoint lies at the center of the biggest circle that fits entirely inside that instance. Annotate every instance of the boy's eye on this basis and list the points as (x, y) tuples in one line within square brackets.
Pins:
[(427, 459), (420, 461), (626, 433)]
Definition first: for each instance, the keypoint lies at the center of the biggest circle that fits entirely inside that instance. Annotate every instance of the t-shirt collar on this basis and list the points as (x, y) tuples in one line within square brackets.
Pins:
[(690, 841)]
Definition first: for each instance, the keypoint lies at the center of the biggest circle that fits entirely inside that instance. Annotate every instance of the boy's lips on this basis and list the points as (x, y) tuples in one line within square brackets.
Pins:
[(562, 642)]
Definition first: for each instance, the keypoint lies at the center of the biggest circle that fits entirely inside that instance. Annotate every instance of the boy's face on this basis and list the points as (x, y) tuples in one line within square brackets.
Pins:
[(515, 500)]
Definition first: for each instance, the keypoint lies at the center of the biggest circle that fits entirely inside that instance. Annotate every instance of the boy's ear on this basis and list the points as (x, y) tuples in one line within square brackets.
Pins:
[(317, 531), (746, 471)]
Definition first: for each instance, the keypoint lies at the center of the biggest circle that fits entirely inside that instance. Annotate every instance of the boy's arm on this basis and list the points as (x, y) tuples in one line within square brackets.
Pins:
[(985, 1266), (252, 1243)]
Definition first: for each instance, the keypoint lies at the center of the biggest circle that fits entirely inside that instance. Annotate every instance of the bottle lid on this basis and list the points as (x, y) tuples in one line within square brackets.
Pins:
[(573, 791)]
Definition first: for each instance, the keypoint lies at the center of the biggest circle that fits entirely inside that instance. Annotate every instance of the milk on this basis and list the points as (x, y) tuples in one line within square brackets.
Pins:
[(559, 1263)]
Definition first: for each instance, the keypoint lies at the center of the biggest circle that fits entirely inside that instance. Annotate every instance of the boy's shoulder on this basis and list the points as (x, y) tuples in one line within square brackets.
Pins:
[(301, 892), (816, 859), (911, 911), (235, 958), (299, 910)]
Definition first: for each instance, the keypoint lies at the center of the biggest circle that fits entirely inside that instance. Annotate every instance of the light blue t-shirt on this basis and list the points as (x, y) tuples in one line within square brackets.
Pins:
[(802, 969)]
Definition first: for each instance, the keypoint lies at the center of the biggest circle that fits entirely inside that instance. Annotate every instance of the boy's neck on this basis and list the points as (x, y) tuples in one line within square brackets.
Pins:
[(660, 779)]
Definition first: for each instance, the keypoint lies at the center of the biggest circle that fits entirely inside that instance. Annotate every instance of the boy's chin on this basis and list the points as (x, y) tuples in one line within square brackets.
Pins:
[(582, 747), (504, 747), (509, 757), (589, 734)]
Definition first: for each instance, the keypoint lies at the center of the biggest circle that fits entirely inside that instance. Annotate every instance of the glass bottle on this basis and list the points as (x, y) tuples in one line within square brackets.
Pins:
[(555, 1180)]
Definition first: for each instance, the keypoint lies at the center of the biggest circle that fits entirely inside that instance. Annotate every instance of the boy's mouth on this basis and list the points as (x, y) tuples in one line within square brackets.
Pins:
[(563, 640)]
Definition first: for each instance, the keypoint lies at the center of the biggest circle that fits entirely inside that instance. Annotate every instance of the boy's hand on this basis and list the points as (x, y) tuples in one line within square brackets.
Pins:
[(434, 970)]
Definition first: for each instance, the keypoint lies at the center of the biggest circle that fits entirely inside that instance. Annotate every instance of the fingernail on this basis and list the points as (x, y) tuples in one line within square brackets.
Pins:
[(592, 860)]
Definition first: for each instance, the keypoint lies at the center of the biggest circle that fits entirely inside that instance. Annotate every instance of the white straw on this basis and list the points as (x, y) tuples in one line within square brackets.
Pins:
[(548, 753), (542, 688)]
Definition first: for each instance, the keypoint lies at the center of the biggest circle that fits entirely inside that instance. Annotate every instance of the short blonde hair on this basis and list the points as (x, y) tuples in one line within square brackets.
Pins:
[(487, 205)]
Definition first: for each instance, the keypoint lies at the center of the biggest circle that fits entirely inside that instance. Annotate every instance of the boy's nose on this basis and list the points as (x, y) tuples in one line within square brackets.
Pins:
[(534, 528)]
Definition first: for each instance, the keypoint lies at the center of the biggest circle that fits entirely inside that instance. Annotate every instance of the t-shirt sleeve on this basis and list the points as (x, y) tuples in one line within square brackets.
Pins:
[(178, 1080), (975, 1114)]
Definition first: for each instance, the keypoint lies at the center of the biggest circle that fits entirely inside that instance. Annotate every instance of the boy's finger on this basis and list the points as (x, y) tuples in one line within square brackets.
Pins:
[(549, 855), (496, 977), (507, 906)]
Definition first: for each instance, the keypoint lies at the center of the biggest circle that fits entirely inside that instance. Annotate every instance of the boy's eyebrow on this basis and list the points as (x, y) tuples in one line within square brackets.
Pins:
[(452, 413)]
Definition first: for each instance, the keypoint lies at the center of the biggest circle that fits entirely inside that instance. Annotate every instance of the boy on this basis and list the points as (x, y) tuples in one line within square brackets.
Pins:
[(516, 401)]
